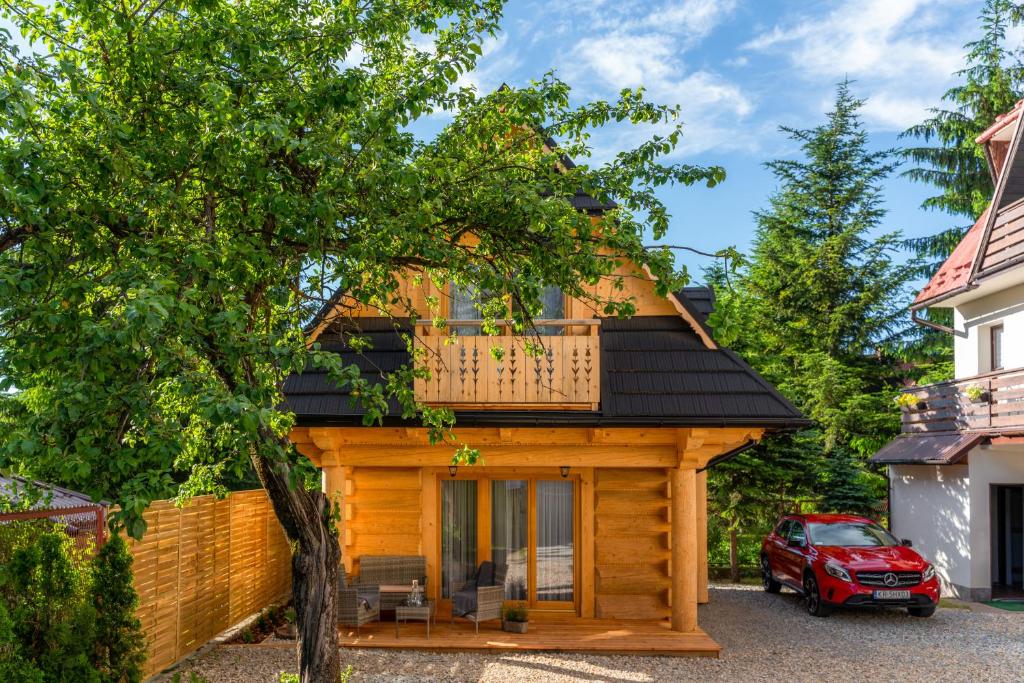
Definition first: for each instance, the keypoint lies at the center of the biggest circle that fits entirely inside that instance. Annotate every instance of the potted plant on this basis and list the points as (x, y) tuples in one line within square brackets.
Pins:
[(514, 619), (977, 394), (287, 630), (908, 402)]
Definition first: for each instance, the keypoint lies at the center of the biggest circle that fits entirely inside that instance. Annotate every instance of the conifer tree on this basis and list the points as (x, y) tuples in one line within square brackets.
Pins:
[(120, 651), (813, 311), (948, 158)]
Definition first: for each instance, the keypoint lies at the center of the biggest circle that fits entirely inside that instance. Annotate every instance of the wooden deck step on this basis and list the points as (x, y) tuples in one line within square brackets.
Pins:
[(597, 636)]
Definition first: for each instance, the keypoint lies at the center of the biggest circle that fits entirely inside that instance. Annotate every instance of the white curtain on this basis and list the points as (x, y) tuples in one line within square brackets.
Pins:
[(458, 534), (555, 575), (510, 534)]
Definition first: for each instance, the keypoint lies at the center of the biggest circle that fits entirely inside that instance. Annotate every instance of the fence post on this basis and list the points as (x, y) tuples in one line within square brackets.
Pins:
[(100, 524)]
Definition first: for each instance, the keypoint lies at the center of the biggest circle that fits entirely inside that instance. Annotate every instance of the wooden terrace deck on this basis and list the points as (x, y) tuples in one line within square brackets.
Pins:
[(595, 636)]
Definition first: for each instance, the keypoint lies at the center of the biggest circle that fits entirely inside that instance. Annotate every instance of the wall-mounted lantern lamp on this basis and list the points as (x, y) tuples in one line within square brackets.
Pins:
[(452, 469), (565, 471)]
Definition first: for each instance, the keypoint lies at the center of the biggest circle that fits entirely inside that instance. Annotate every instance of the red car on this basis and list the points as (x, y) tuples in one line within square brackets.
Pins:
[(845, 560)]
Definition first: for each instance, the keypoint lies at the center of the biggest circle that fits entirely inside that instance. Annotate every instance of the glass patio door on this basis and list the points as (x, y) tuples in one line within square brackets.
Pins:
[(533, 530), (555, 553), (458, 533)]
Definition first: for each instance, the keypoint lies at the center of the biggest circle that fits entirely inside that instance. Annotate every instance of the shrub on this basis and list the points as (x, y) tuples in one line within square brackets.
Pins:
[(46, 590), (120, 651), (66, 616)]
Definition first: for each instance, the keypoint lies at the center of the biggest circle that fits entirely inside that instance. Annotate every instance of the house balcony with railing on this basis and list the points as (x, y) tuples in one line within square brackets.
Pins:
[(472, 371), (991, 402)]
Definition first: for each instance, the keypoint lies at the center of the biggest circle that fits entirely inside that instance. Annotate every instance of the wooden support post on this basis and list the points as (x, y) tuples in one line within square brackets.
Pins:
[(333, 479), (684, 548), (702, 537), (587, 568)]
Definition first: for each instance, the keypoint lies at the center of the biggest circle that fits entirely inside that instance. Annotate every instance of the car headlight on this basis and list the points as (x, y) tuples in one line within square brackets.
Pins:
[(929, 573), (833, 569)]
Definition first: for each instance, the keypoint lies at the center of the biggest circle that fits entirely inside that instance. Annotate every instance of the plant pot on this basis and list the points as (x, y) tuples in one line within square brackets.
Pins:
[(286, 632), (514, 626)]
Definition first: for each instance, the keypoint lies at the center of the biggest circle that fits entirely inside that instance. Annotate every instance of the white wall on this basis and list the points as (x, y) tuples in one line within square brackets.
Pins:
[(989, 465), (930, 505), (973, 319)]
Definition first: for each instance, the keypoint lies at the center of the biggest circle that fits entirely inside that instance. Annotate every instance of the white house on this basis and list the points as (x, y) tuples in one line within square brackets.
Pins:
[(957, 470)]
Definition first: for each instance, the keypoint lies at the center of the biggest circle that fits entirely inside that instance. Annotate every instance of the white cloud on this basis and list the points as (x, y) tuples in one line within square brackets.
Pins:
[(638, 44), (902, 52)]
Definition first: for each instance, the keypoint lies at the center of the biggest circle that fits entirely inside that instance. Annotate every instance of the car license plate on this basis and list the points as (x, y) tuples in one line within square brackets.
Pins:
[(892, 595)]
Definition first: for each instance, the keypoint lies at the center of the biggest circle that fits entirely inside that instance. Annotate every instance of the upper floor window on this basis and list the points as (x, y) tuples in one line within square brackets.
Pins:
[(995, 340), (464, 304)]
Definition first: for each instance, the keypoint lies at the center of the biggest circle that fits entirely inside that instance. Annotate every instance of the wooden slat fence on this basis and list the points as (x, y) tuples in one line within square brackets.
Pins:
[(201, 568)]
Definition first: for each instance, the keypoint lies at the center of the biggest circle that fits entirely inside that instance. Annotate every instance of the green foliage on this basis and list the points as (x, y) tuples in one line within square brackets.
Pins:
[(814, 311), (186, 184), (120, 650), (516, 613), (45, 589), (948, 158), (992, 82), (193, 677), (344, 677), (848, 487), (65, 616)]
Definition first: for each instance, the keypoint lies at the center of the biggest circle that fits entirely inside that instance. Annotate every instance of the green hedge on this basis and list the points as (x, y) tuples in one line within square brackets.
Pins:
[(66, 615)]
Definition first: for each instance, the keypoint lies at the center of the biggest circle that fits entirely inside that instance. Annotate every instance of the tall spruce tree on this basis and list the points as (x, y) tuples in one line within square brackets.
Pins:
[(949, 159), (813, 311)]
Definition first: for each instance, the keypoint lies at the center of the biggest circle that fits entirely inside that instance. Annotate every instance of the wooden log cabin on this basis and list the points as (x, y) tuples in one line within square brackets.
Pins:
[(592, 486)]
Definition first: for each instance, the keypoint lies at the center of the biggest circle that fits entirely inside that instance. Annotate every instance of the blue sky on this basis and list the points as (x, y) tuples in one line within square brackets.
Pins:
[(740, 69)]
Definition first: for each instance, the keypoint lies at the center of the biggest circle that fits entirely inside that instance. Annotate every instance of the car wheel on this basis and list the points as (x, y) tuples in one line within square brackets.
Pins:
[(813, 603), (922, 612), (767, 580)]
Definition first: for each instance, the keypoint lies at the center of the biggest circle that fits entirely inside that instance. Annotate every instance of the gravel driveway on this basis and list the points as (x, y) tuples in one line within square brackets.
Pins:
[(763, 638)]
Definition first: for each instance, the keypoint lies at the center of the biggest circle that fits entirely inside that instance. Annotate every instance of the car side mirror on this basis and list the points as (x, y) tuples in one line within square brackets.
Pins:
[(906, 542), (794, 543)]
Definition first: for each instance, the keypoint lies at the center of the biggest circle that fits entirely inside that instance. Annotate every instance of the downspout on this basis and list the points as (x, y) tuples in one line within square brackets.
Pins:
[(929, 324), (719, 459)]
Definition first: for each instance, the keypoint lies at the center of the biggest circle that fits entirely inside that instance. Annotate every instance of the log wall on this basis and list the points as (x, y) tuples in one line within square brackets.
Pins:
[(632, 543), (204, 567)]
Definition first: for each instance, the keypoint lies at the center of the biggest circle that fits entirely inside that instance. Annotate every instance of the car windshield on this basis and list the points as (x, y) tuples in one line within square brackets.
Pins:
[(850, 534)]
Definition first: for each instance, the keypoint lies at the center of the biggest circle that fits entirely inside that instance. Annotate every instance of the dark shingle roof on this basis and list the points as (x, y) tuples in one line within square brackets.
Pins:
[(312, 394), (701, 298), (655, 366), (655, 371)]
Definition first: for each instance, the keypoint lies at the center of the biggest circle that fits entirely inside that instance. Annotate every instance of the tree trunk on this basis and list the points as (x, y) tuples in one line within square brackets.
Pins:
[(734, 556), (316, 556)]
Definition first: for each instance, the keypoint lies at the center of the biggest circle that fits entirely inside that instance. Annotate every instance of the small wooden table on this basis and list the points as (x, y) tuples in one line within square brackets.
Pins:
[(424, 612), (392, 594)]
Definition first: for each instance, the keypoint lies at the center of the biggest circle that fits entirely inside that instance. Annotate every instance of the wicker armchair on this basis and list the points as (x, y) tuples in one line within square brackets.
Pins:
[(483, 602), (357, 605)]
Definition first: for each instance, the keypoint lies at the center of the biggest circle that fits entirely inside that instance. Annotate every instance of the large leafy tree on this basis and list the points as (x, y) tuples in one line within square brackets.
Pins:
[(821, 297), (184, 182)]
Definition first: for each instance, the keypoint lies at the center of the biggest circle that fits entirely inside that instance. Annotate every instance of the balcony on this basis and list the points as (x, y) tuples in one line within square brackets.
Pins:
[(992, 402), (465, 375)]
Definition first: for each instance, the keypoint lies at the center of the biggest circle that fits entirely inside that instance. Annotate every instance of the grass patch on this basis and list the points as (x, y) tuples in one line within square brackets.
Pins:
[(952, 604), (1009, 606)]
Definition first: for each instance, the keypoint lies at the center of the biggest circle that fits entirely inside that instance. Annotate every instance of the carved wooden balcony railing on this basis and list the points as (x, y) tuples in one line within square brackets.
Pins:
[(464, 373), (992, 402)]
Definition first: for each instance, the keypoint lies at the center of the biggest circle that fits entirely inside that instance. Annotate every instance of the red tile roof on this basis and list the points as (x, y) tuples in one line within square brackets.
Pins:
[(956, 270)]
